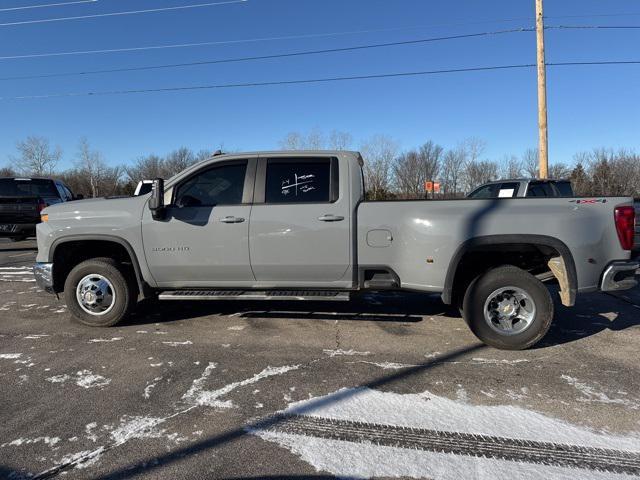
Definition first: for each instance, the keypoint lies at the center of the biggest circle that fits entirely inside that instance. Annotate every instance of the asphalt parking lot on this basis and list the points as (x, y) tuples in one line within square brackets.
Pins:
[(385, 386)]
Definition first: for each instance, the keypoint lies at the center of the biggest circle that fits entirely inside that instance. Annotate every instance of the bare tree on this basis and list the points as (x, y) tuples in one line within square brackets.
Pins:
[(317, 140), (580, 181), (559, 171), (378, 152), (177, 161), (92, 175), (146, 168), (7, 172), (452, 171), (339, 140), (474, 148), (91, 165), (479, 172), (530, 162), (37, 157), (293, 141), (511, 167), (415, 167)]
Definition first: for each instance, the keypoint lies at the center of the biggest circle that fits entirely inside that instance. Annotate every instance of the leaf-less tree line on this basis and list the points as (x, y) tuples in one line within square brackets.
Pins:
[(91, 174), (394, 173), (389, 171)]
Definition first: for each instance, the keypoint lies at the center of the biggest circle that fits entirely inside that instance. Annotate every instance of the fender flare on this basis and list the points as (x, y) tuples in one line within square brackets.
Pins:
[(142, 284), (531, 239)]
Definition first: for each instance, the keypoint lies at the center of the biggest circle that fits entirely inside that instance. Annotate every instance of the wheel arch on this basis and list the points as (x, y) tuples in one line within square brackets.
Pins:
[(98, 240), (565, 272)]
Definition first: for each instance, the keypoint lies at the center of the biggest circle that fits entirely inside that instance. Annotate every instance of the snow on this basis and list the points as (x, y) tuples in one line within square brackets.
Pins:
[(50, 441), (590, 394), (429, 411), (137, 427), (87, 379), (356, 460), (197, 395), (493, 361), (83, 378), (10, 356), (389, 365), (102, 340), (340, 352), (176, 344)]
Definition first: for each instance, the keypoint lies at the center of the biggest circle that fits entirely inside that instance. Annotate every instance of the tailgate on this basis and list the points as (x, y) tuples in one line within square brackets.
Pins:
[(19, 210)]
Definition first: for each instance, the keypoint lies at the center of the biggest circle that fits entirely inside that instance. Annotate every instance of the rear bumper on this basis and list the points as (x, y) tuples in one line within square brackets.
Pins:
[(619, 276), (44, 276)]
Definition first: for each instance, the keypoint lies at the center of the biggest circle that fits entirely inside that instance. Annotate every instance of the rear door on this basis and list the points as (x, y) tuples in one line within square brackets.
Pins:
[(300, 233)]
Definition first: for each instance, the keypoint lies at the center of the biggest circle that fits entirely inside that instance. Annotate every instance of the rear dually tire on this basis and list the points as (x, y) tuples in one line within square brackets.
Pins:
[(508, 308)]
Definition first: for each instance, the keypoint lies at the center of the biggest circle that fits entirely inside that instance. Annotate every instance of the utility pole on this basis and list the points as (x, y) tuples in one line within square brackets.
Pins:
[(543, 147)]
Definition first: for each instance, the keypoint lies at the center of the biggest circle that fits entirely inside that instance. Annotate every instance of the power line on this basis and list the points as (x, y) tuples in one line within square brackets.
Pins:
[(314, 80), (268, 57), (129, 12), (46, 5), (596, 15), (592, 27), (250, 40)]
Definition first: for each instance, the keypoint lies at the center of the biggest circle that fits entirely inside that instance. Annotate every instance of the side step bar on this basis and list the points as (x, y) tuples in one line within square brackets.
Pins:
[(303, 295)]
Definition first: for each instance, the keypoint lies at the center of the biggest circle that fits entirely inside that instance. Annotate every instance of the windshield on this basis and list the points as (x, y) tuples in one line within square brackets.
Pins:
[(14, 187)]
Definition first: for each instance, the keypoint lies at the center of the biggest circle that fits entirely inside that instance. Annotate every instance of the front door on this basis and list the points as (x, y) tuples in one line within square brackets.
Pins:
[(300, 231), (203, 239)]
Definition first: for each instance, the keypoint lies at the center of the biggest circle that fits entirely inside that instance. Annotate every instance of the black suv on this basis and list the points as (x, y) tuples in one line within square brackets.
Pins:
[(22, 200)]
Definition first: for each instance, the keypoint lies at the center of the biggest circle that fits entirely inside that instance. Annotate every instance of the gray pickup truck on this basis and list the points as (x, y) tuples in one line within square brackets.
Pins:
[(295, 226)]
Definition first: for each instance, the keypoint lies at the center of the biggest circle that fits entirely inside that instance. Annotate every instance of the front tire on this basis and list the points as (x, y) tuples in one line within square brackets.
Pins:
[(508, 308), (98, 292)]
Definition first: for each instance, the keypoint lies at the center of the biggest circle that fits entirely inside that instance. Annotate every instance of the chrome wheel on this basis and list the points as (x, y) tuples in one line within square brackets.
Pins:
[(509, 310), (95, 294)]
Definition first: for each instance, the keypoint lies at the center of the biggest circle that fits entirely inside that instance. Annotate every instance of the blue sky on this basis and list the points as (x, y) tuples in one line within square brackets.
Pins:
[(588, 106)]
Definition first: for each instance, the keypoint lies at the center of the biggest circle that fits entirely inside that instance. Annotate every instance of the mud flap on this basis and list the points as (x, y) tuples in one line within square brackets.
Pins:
[(559, 270)]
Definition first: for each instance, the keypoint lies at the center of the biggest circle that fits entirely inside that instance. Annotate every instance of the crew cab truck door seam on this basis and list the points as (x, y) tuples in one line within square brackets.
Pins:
[(288, 243)]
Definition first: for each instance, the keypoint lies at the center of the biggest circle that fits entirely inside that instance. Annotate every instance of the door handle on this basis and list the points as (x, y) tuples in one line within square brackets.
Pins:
[(330, 218), (231, 219)]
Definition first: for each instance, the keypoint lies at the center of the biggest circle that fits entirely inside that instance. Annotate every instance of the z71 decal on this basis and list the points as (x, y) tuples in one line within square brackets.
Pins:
[(588, 201)]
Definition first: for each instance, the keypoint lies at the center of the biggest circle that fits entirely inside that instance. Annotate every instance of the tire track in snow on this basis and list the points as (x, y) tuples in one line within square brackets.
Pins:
[(457, 443)]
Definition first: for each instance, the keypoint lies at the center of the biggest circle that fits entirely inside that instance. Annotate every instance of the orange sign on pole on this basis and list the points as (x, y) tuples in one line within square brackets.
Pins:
[(428, 186), (436, 187)]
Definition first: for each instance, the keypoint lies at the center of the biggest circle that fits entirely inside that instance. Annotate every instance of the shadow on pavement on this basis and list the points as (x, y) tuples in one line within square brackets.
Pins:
[(154, 463), (381, 307), (592, 314)]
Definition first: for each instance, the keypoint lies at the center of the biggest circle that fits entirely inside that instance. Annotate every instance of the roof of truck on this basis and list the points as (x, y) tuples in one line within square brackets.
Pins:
[(504, 180), (265, 153)]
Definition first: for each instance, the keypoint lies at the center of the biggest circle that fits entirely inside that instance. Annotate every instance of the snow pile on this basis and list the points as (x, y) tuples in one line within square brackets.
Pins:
[(428, 411)]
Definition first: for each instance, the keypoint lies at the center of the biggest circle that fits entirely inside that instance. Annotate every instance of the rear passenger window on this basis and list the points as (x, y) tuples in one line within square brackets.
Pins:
[(508, 190), (540, 190), (298, 182), (488, 191)]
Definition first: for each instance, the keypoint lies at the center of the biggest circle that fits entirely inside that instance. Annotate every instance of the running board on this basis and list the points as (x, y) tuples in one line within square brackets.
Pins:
[(302, 295)]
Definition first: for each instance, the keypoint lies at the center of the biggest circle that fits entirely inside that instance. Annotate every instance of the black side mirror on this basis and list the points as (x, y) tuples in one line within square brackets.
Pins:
[(78, 197), (156, 202)]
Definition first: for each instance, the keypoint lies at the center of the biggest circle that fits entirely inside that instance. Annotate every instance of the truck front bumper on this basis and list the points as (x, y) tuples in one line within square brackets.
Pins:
[(44, 276), (619, 276)]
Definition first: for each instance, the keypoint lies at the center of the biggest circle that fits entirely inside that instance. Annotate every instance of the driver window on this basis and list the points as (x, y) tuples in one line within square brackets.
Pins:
[(216, 186)]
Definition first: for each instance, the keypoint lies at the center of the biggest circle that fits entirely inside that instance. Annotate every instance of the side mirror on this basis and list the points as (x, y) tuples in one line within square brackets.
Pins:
[(78, 197), (156, 202)]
